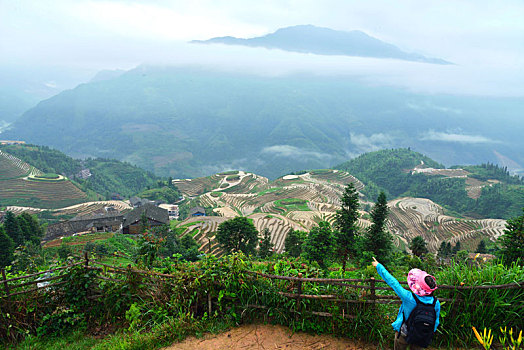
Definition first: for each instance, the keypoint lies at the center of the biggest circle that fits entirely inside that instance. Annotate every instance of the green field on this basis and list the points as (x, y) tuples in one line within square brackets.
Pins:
[(292, 204)]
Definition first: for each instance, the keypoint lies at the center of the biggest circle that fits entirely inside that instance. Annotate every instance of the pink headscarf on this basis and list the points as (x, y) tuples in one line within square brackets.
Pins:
[(417, 284)]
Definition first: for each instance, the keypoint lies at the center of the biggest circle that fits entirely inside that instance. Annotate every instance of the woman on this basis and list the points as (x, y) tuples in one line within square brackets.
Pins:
[(422, 286)]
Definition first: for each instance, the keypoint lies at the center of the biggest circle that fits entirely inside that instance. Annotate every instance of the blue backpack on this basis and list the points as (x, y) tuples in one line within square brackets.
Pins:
[(421, 323)]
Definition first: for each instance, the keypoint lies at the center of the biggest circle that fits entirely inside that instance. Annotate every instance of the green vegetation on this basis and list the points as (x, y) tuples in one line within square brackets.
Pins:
[(165, 193), (232, 178), (265, 249), (418, 246), (513, 241), (291, 204), (376, 240), (346, 221), (237, 235), (107, 176), (156, 310), (294, 242), (488, 171), (388, 170), (216, 194), (319, 243), (230, 172), (16, 232)]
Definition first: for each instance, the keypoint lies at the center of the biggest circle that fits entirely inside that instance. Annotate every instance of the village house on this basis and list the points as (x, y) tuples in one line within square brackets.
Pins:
[(172, 210), (106, 221), (197, 211), (155, 216)]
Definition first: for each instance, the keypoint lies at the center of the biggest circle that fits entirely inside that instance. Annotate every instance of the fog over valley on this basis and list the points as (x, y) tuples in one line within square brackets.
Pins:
[(124, 79)]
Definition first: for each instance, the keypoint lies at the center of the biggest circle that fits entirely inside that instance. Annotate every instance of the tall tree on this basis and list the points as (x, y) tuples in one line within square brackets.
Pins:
[(376, 238), (7, 248), (319, 243), (265, 249), (456, 248), (346, 221), (481, 247), (237, 235), (418, 246), (294, 242), (12, 228), (513, 240)]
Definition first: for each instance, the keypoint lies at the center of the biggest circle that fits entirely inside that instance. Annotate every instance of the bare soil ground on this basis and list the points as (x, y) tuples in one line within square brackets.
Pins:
[(257, 336)]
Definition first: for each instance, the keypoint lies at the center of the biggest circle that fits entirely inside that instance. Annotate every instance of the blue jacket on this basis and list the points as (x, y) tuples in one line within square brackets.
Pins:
[(408, 301)]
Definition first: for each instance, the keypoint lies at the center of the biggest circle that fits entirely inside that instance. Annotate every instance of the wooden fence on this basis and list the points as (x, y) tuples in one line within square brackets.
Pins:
[(294, 289)]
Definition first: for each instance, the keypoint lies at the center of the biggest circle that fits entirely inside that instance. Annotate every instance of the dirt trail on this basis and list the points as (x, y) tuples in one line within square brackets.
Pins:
[(252, 337)]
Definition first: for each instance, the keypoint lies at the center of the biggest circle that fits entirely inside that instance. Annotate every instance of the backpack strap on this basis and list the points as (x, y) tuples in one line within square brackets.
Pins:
[(417, 300)]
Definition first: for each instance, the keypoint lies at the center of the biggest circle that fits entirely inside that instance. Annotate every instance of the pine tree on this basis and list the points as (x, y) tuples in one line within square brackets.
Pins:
[(265, 249), (294, 242), (7, 248), (456, 248), (441, 253), (376, 238), (481, 248), (12, 228), (319, 243), (418, 246), (346, 223), (513, 240)]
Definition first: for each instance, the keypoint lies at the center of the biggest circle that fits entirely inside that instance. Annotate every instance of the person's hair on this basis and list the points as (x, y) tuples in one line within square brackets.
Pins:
[(430, 281)]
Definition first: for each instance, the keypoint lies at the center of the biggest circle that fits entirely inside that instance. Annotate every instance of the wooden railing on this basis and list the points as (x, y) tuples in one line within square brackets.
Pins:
[(294, 290)]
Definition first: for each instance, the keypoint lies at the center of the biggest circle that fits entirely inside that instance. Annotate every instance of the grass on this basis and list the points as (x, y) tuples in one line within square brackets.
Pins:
[(233, 178), (216, 194), (172, 330), (231, 172), (292, 204), (82, 239)]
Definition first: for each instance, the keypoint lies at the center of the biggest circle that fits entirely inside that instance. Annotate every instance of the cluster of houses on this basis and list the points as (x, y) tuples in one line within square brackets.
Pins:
[(110, 219)]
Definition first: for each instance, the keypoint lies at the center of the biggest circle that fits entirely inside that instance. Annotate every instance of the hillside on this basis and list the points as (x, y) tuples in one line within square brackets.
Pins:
[(24, 185), (300, 201), (102, 176), (476, 191), (325, 41), (187, 122)]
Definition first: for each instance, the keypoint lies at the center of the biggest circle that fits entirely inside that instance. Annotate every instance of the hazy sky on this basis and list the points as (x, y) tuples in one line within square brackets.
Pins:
[(484, 38)]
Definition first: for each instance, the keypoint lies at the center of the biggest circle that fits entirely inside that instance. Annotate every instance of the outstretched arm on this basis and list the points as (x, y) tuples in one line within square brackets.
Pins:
[(391, 281)]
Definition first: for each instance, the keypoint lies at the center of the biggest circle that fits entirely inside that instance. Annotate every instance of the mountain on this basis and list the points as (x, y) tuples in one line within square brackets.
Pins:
[(300, 201), (479, 191), (325, 41), (187, 122), (100, 177)]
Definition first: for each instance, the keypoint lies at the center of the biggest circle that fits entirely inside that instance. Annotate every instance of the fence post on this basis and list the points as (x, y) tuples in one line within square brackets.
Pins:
[(298, 306), (6, 287), (373, 295), (86, 257)]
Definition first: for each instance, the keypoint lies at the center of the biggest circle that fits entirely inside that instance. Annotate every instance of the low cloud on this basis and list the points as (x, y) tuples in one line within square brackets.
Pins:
[(372, 143), (430, 106), (288, 151), (455, 137)]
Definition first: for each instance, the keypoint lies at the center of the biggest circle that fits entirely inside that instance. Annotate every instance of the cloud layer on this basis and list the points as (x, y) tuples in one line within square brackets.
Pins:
[(455, 137)]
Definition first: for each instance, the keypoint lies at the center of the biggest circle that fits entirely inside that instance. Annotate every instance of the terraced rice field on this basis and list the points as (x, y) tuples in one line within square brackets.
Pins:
[(261, 200), (411, 217), (15, 189)]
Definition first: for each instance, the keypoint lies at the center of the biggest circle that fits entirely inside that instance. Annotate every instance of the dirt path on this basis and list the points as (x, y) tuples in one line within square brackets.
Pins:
[(252, 337)]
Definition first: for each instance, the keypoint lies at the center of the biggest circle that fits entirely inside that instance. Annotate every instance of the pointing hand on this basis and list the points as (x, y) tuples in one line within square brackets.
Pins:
[(374, 262)]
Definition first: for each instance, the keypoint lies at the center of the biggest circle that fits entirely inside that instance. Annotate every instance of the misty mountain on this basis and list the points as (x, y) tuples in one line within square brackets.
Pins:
[(22, 87), (325, 41), (187, 122)]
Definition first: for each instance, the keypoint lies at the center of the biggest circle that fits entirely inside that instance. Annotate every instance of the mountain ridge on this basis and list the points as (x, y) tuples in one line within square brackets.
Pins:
[(325, 41)]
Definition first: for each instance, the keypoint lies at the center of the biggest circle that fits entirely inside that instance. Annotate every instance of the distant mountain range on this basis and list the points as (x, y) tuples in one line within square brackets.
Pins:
[(325, 41), (186, 122)]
